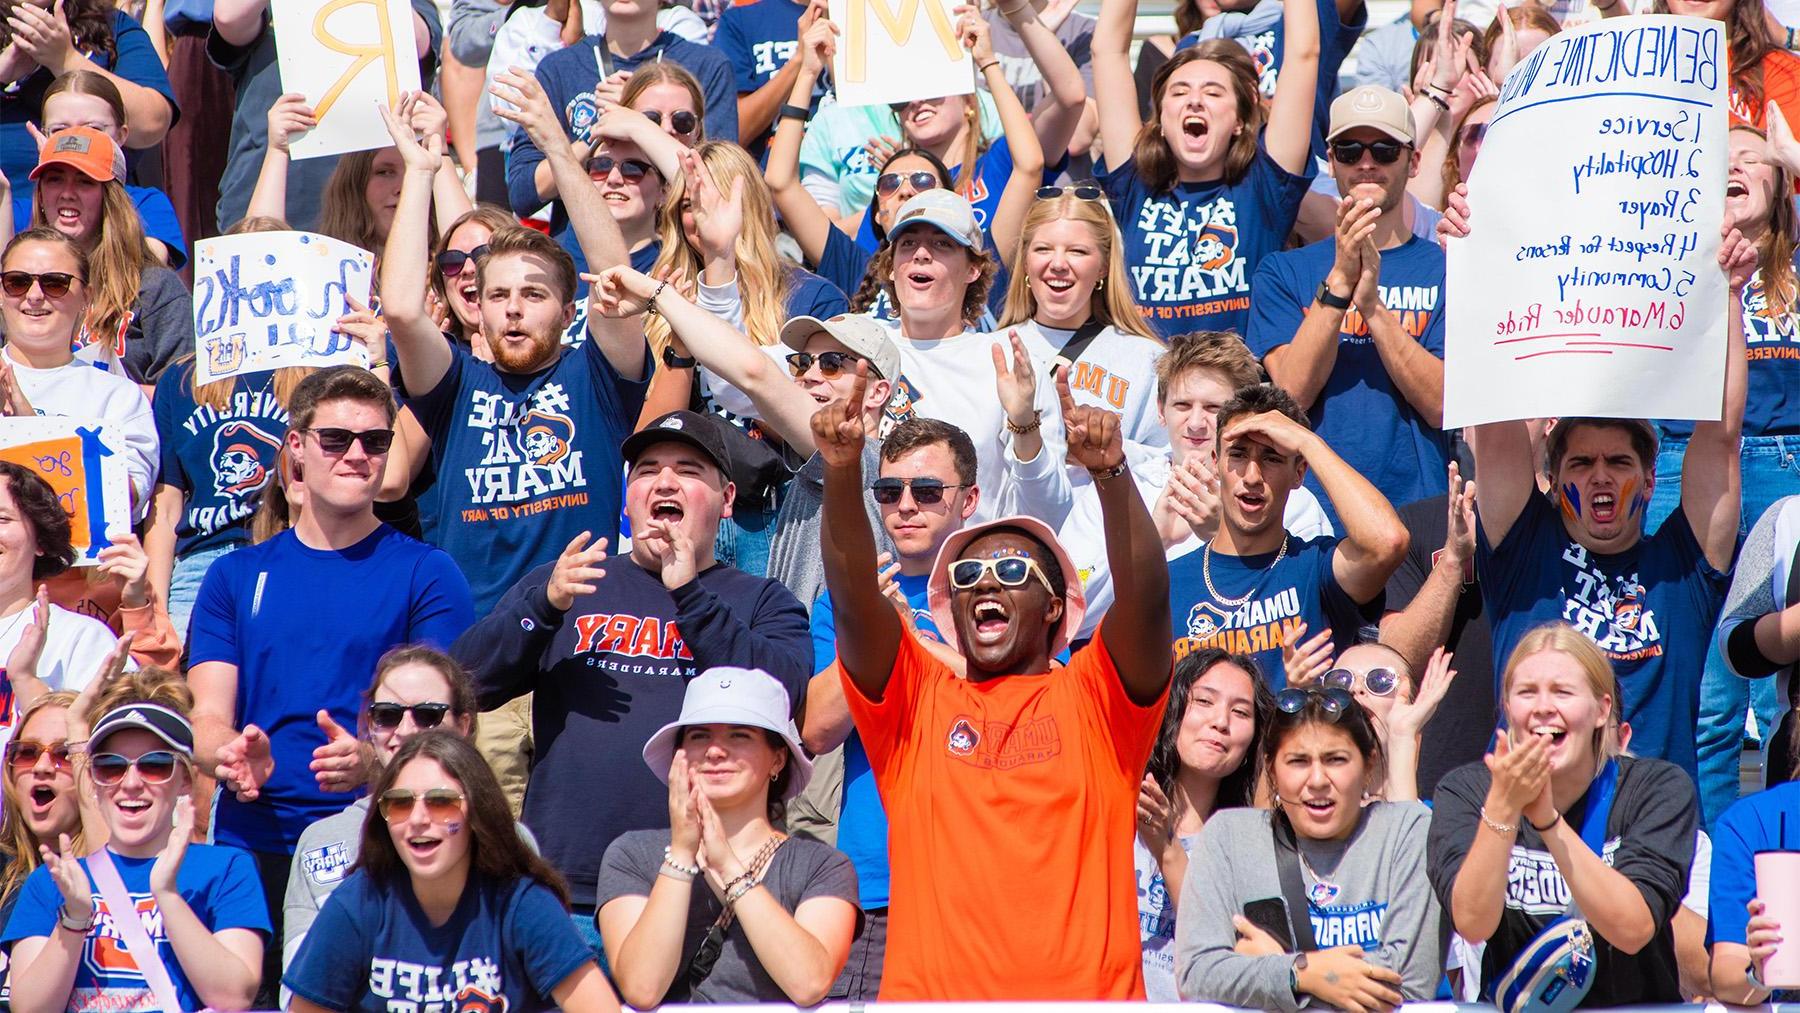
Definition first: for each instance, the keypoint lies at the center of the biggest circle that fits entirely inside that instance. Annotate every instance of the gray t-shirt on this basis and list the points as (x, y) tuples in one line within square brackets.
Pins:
[(799, 871), (1371, 891)]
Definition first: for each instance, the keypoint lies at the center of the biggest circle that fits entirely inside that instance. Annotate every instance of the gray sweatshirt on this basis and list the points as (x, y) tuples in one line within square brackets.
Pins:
[(1383, 903)]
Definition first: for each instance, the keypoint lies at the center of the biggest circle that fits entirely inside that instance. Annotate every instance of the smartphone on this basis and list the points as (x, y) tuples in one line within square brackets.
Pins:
[(1271, 915)]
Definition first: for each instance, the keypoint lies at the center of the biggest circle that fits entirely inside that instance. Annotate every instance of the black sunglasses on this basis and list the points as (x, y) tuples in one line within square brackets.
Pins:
[(55, 284), (337, 441), (631, 170), (831, 364), (23, 754), (387, 716), (451, 262), (925, 491), (683, 121), (1333, 703), (921, 181), (1351, 152), (155, 767), (1379, 681), (1080, 191)]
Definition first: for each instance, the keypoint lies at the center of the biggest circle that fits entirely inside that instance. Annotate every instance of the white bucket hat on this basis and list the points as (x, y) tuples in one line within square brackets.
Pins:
[(733, 696)]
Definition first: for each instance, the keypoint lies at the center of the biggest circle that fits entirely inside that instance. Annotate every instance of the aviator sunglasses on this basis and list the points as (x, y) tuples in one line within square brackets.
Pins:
[(397, 804), (925, 491), (23, 754), (921, 181)]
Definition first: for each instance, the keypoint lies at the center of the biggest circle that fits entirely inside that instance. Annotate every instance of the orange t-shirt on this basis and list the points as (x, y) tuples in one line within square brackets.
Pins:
[(1780, 82), (1011, 806)]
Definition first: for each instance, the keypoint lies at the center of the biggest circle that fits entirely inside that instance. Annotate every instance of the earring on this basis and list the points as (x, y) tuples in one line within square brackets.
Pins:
[(1100, 286)]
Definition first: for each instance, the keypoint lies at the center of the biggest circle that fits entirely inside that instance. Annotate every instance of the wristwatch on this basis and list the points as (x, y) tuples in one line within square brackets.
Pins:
[(1294, 970), (1326, 297), (673, 361), (79, 927)]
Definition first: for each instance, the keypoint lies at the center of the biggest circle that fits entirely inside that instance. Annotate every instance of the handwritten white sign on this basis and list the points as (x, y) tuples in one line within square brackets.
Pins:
[(897, 51), (269, 299), (345, 56), (1589, 284), (83, 464)]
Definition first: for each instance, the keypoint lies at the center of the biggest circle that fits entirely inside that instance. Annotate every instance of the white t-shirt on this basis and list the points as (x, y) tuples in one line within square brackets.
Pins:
[(81, 390), (74, 647), (1116, 373)]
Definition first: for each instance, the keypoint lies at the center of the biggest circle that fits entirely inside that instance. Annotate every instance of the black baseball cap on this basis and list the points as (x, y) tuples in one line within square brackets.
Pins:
[(698, 431), (156, 719)]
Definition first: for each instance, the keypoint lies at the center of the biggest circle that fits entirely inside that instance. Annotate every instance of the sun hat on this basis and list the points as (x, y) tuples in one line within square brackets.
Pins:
[(733, 696), (160, 721), (938, 590)]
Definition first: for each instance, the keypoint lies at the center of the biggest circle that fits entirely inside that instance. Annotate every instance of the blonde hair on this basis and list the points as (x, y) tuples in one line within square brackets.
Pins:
[(763, 276), (1594, 665), (1111, 302), (115, 268), (17, 843)]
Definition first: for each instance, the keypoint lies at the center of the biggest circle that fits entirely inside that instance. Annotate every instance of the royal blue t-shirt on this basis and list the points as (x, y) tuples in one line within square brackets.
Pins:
[(305, 627), (1191, 252), (23, 103), (1268, 48), (219, 884), (1650, 608), (1360, 412), (505, 948), (1276, 596), (759, 38), (220, 460), (1754, 823), (525, 461), (153, 207), (1772, 340)]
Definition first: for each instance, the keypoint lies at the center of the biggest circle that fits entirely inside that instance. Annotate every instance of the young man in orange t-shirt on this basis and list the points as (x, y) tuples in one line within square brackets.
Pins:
[(1011, 793)]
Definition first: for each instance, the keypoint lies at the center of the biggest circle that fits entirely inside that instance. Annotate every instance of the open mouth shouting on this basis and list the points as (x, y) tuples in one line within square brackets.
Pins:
[(1555, 732), (992, 619), (1603, 507), (666, 511), (39, 800)]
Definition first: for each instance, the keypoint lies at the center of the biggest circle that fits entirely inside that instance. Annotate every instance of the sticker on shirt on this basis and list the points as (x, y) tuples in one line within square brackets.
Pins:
[(467, 986), (996, 745), (1770, 333), (529, 463), (1189, 265), (1347, 924), (1261, 624), (1614, 612), (327, 864), (1535, 886)]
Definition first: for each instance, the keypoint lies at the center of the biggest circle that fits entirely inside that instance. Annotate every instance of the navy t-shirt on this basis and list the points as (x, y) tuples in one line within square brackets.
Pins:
[(23, 103), (219, 459), (525, 461), (305, 627), (505, 947), (1278, 596), (759, 38), (1191, 252), (843, 262), (1772, 341), (992, 171), (154, 209), (1360, 412), (219, 884), (1650, 608)]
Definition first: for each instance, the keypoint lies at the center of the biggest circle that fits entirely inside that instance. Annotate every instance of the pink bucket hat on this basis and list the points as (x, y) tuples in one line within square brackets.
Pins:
[(937, 591)]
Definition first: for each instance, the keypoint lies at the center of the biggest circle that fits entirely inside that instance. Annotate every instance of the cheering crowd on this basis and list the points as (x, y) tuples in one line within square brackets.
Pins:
[(993, 546)]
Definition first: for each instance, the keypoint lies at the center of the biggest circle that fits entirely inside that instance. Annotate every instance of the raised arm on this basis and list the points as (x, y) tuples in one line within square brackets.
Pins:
[(289, 116), (757, 109), (1021, 136), (1115, 86), (449, 201), (869, 631), (1424, 624), (224, 967), (1288, 136), (1058, 114), (1711, 476), (425, 354), (805, 219), (239, 22), (1136, 629)]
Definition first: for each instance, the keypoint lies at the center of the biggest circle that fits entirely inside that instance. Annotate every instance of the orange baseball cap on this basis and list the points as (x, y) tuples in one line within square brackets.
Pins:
[(84, 149)]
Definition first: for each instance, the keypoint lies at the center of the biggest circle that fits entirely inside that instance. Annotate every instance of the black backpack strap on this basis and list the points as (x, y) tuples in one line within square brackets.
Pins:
[(1293, 891), (1078, 342)]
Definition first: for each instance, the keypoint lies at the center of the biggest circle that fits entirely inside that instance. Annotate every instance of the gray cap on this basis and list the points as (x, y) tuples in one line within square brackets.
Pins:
[(946, 210), (857, 332)]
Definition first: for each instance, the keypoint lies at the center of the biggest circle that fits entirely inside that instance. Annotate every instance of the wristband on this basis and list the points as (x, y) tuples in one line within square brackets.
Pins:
[(1437, 101), (673, 361), (984, 67), (1503, 829), (1107, 473), (1793, 40), (735, 894), (792, 112), (650, 303), (378, 364), (1546, 828)]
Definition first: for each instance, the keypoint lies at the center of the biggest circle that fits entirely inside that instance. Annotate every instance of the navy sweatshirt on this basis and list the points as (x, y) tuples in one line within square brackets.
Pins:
[(607, 674)]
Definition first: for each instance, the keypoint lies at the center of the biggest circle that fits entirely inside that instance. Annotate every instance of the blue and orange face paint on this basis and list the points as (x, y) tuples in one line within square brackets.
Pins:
[(1570, 498), (1636, 502)]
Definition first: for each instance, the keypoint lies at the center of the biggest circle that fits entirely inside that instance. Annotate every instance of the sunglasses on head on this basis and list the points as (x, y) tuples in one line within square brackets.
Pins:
[(921, 181), (631, 170), (387, 716), (1333, 703), (337, 441), (1080, 191), (23, 754), (1351, 152), (451, 262), (681, 120), (155, 767), (1379, 681), (55, 284), (440, 803), (925, 492), (831, 364), (1010, 571)]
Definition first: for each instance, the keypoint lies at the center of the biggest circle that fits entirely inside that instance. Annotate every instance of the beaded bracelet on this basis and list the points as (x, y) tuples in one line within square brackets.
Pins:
[(690, 871)]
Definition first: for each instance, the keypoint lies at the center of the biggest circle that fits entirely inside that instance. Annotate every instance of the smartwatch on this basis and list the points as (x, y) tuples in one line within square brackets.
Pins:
[(1326, 297)]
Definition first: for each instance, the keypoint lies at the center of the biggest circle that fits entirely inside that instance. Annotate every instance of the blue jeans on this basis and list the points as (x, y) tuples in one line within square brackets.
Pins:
[(184, 585), (1771, 469), (744, 539)]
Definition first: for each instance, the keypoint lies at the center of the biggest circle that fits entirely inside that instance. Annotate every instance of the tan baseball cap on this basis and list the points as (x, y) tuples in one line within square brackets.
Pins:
[(1372, 106), (855, 331)]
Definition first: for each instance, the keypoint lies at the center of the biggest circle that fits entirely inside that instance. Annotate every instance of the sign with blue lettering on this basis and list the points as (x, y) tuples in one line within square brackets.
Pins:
[(1589, 283), (80, 460), (269, 299)]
